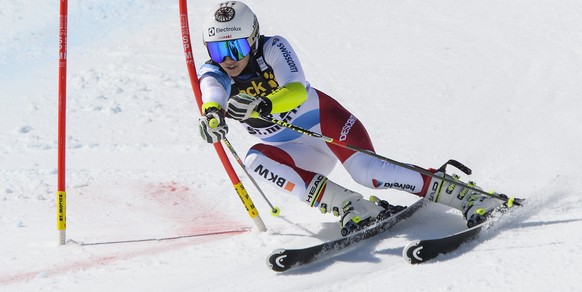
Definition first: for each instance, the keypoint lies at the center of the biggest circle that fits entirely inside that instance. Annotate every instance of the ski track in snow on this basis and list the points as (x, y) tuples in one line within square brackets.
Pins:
[(494, 84)]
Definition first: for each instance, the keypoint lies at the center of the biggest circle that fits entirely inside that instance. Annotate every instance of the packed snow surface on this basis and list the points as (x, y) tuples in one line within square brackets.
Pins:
[(494, 84)]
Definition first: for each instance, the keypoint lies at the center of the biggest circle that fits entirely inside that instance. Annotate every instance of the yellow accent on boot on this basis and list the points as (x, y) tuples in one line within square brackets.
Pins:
[(452, 186), (480, 211), (345, 204), (323, 208), (510, 202), (462, 193), (357, 219), (465, 191)]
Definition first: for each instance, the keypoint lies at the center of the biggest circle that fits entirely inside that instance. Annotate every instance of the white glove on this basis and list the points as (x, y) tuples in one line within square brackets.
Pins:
[(213, 127), (241, 106)]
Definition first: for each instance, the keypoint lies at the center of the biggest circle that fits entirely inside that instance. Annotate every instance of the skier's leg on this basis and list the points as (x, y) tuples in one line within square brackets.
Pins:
[(339, 124), (274, 165)]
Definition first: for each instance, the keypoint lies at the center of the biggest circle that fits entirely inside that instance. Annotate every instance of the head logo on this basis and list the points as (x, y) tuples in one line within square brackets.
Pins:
[(211, 31), (315, 190)]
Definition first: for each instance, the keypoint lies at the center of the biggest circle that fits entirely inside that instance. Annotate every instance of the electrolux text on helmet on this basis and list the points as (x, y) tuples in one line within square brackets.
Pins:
[(214, 30)]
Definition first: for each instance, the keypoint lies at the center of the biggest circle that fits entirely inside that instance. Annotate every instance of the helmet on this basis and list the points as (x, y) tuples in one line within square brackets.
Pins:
[(231, 20)]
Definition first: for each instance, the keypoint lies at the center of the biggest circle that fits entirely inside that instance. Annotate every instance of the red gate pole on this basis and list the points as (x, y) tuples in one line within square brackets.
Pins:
[(61, 199), (237, 184)]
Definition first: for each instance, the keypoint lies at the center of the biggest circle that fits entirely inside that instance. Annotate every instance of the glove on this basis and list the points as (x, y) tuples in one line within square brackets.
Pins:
[(213, 127), (241, 106)]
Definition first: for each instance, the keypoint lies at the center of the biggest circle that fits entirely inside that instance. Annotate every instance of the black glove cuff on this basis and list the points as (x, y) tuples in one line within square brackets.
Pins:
[(211, 110), (265, 107)]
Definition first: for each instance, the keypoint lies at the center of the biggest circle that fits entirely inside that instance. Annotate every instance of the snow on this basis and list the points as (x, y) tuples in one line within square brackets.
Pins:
[(494, 84)]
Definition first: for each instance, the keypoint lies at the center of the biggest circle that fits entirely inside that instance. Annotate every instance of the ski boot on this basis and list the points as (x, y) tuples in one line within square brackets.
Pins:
[(355, 224), (389, 209), (475, 206), (484, 209), (355, 211)]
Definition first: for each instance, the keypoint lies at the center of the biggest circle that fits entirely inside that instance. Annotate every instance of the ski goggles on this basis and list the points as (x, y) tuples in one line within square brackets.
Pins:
[(235, 49)]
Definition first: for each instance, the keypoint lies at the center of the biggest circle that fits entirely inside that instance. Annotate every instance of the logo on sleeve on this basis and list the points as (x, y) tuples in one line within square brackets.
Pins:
[(288, 57)]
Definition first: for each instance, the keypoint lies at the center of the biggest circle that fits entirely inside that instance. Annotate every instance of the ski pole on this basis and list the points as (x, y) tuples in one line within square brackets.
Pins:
[(275, 211), (375, 155), (237, 184)]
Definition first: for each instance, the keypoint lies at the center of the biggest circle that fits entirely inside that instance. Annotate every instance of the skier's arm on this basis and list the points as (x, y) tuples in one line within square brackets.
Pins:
[(284, 99), (281, 56), (214, 86), (243, 106)]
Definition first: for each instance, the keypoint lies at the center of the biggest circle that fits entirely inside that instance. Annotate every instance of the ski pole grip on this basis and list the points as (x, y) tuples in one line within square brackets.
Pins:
[(213, 123)]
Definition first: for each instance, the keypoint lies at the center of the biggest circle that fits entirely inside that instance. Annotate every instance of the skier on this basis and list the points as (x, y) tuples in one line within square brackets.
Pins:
[(251, 75)]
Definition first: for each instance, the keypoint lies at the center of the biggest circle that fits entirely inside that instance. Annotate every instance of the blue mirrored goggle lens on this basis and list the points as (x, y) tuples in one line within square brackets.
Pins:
[(235, 49)]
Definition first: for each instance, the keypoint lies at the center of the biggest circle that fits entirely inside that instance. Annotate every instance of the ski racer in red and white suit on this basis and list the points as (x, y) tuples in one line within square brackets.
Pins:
[(250, 75)]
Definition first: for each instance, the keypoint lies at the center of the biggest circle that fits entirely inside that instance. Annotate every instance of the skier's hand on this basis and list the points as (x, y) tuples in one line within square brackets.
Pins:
[(242, 106), (213, 127)]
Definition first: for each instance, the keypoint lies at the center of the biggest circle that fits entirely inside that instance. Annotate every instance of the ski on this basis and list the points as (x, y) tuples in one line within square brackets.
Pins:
[(285, 259), (420, 251)]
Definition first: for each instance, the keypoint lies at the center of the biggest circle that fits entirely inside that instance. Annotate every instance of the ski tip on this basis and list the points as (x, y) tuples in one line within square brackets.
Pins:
[(276, 260), (412, 252)]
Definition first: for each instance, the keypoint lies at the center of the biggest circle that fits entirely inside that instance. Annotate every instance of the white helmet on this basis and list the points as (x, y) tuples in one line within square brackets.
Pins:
[(231, 20)]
